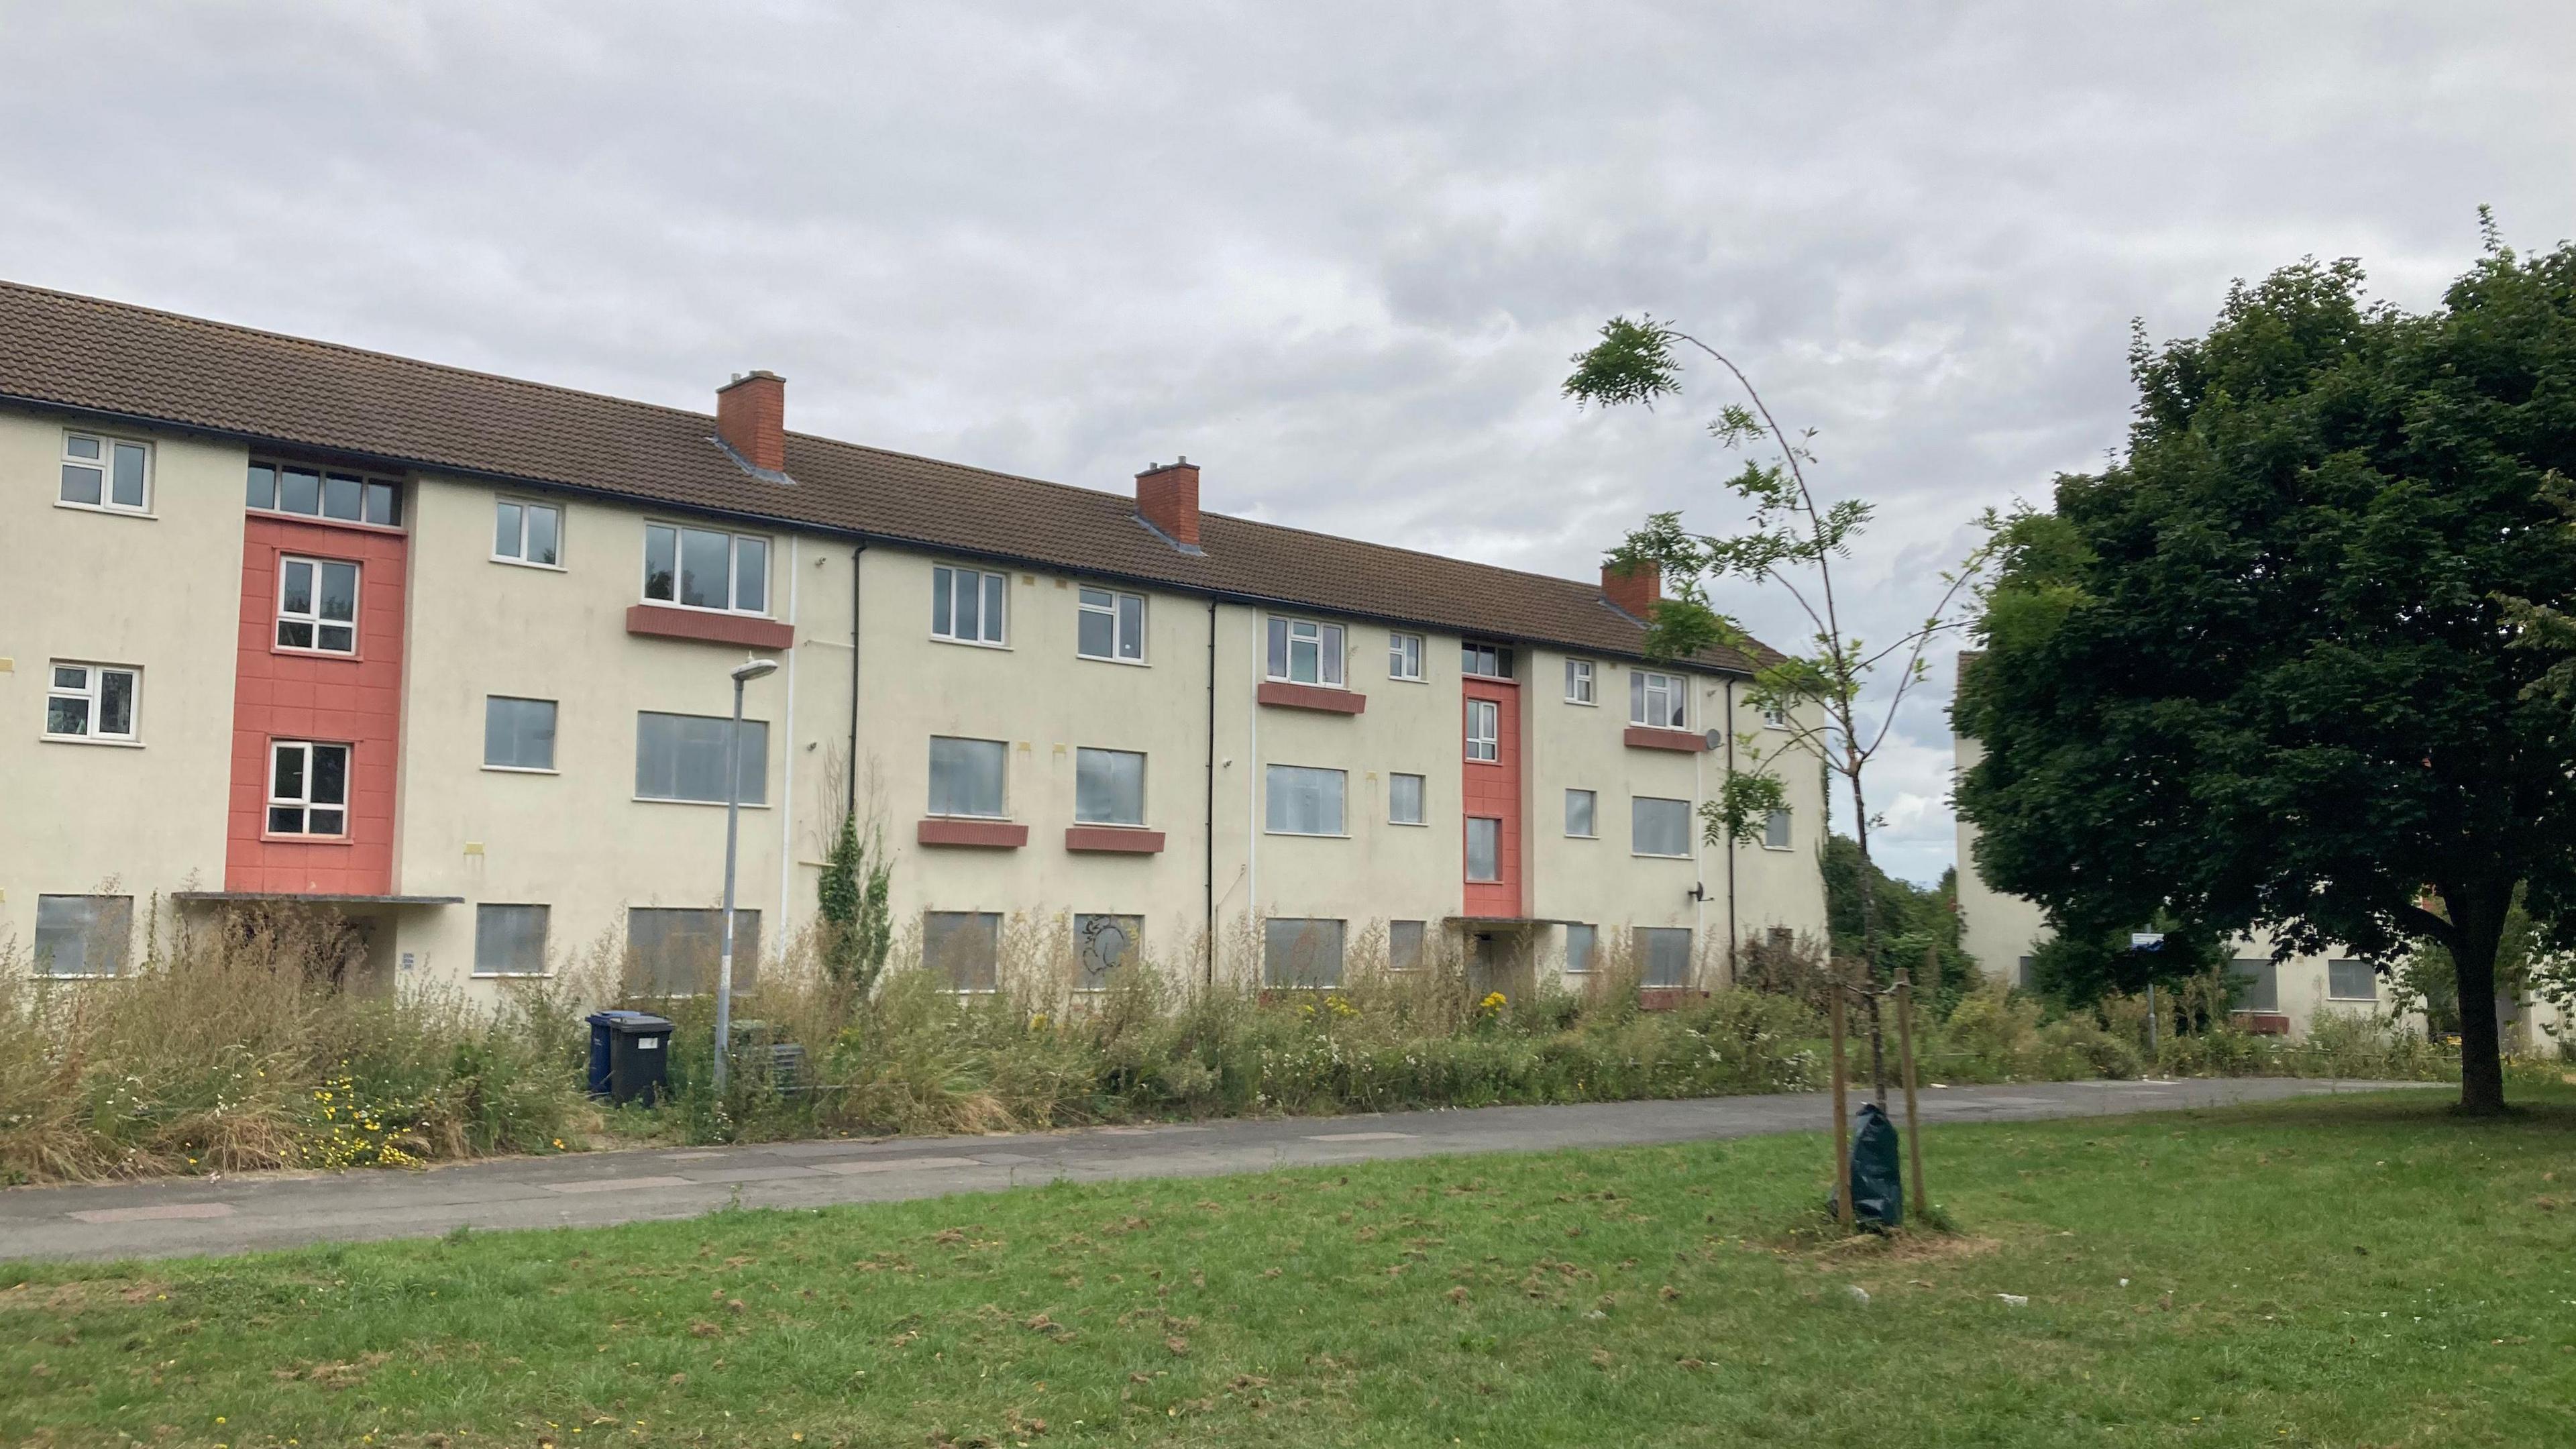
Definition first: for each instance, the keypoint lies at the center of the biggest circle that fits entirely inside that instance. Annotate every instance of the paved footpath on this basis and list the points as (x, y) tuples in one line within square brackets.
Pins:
[(211, 1215)]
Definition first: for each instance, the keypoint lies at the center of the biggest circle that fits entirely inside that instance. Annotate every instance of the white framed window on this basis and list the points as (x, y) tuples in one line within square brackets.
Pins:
[(965, 947), (317, 605), (527, 533), (677, 951), (315, 493), (2256, 984), (967, 777), (1580, 943), (1578, 682), (92, 702), (1484, 849), (1404, 656), (1486, 661), (1775, 717), (110, 474), (1484, 730), (706, 568), (969, 606), (1108, 625), (1665, 952), (1404, 795), (1582, 814), (1305, 801), (1658, 701), (83, 935), (1404, 945), (511, 940), (1658, 826), (308, 788), (2351, 981), (519, 734), (1305, 651), (1108, 787), (1301, 953), (1775, 830), (682, 757), (1102, 944)]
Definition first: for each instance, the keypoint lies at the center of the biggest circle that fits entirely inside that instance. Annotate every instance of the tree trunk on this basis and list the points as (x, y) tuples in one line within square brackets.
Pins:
[(2479, 917), (1869, 942)]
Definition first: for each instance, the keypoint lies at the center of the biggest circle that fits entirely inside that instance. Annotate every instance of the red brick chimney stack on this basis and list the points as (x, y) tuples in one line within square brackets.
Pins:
[(1636, 590), (751, 416), (1167, 496)]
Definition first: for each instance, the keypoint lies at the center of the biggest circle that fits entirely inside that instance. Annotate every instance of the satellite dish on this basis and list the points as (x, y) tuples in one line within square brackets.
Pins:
[(1715, 738)]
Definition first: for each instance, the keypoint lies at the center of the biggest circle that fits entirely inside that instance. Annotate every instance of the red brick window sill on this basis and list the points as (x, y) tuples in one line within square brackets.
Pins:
[(978, 834), (706, 626), (1283, 695), (1113, 840), (1643, 737)]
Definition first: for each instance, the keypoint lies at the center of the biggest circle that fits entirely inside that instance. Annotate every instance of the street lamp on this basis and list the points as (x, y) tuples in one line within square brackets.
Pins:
[(744, 673)]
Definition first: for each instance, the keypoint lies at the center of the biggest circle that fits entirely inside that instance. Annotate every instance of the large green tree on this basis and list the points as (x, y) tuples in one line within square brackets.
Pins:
[(2260, 672)]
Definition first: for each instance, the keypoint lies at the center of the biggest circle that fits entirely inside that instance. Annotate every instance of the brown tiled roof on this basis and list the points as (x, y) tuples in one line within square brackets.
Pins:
[(113, 358)]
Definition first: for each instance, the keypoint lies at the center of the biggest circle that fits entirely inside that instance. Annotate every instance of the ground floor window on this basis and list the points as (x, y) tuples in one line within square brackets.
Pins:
[(1300, 952), (965, 947), (1403, 945), (1101, 944), (83, 935), (511, 941), (1579, 944), (1665, 951), (2352, 981), (2257, 985), (674, 952)]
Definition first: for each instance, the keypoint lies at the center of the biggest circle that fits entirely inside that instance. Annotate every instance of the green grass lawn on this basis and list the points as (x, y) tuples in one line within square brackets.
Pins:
[(2356, 1272)]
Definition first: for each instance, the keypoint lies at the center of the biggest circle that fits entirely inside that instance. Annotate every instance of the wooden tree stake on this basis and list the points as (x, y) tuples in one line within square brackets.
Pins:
[(1905, 1049), (1842, 1116)]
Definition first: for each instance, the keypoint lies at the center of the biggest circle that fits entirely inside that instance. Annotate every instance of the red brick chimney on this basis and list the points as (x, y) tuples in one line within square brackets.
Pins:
[(751, 416), (1167, 496), (1636, 590)]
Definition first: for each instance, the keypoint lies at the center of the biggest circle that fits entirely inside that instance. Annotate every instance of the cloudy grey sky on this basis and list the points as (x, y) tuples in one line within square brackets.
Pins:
[(1336, 254)]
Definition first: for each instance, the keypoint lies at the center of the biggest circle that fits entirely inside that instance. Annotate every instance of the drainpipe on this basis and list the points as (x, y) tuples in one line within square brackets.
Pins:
[(1252, 789), (1734, 933), (787, 738), (850, 782), (1699, 851), (1210, 821)]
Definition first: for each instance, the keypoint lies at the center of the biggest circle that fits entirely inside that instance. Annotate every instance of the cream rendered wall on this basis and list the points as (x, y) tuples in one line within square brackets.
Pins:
[(1997, 929), (577, 840), (1045, 701), (159, 592)]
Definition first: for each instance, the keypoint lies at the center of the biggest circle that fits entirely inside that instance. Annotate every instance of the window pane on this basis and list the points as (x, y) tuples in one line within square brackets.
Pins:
[(1095, 634), (943, 586), (1579, 809), (299, 490), (1666, 954), (1301, 953), (319, 821), (330, 775), (1579, 943), (703, 563), (286, 774), (508, 524), (966, 776), (1404, 799), (261, 491), (511, 940), (751, 575), (1305, 801), (1131, 626), (682, 757), (78, 446), (673, 952), (519, 733), (384, 504), (1102, 944), (337, 638), (661, 562), (1108, 787), (343, 497), (1484, 849), (285, 820), (2263, 992), (81, 485), (993, 607), (545, 535), (964, 947), (1278, 649), (339, 591), (1403, 945), (1775, 830), (1302, 661), (2351, 981), (83, 935), (1332, 654), (296, 596), (66, 715), (1093, 598), (1661, 827), (115, 702), (970, 606), (129, 476), (293, 635)]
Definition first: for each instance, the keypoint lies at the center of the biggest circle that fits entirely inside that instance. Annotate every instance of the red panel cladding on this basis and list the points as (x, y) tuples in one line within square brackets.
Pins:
[(1492, 789), (351, 699)]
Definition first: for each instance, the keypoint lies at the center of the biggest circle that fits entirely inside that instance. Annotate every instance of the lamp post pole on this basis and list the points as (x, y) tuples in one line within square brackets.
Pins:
[(748, 671)]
